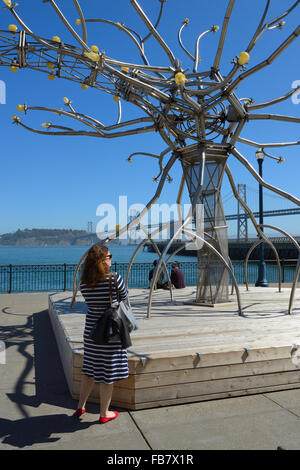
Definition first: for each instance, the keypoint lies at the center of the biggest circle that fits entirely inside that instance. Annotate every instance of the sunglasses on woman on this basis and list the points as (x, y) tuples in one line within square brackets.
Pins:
[(108, 256)]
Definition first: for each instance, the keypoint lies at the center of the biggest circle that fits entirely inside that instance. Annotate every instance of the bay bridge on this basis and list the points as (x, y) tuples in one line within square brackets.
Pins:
[(238, 246)]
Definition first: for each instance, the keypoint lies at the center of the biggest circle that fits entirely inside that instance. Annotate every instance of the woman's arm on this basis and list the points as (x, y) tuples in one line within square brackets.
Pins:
[(121, 287)]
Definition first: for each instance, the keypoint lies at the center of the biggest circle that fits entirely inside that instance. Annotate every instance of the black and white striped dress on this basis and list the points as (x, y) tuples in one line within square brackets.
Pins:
[(108, 362)]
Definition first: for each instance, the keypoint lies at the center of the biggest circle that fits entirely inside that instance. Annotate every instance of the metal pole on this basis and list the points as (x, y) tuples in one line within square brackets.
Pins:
[(10, 279), (262, 279), (65, 276)]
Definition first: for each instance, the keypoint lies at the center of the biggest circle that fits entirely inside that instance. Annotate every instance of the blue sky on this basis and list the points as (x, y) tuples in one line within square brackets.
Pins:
[(58, 182)]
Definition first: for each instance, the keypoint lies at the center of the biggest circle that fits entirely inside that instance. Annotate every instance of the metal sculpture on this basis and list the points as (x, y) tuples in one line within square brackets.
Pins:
[(197, 114)]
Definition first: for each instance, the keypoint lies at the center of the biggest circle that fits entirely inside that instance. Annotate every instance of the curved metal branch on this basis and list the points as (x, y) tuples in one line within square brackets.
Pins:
[(185, 23), (82, 21), (266, 62), (127, 31), (152, 29), (119, 112), (196, 60), (265, 145), (70, 28), (278, 159), (260, 233), (275, 117), (258, 30), (99, 131), (274, 101), (297, 270), (283, 15), (247, 259), (254, 173), (37, 38), (159, 157), (70, 132), (157, 21), (223, 34), (270, 25)]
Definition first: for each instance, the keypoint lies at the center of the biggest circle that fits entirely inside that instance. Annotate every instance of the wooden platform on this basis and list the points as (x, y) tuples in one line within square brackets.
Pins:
[(186, 353)]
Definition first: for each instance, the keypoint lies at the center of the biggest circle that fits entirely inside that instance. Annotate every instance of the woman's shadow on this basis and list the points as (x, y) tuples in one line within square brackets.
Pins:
[(50, 385), (33, 430)]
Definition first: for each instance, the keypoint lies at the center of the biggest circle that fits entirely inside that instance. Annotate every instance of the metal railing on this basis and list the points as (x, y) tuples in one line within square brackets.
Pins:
[(59, 277)]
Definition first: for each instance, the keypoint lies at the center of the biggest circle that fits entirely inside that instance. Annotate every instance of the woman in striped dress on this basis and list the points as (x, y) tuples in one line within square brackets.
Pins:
[(105, 363)]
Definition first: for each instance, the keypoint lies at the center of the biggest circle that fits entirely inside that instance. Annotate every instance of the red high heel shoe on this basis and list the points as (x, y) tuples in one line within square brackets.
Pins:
[(103, 419), (79, 412)]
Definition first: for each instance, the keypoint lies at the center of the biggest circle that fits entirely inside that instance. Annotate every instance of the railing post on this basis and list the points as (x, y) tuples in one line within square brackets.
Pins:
[(65, 277), (10, 279), (282, 264)]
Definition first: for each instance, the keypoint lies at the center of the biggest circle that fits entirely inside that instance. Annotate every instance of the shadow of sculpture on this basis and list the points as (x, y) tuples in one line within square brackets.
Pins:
[(44, 364)]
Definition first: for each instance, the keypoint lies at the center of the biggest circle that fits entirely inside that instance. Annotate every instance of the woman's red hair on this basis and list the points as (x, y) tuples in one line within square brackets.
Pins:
[(93, 270)]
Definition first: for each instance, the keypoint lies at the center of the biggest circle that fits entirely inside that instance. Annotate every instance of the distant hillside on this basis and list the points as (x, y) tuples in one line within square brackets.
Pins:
[(47, 237)]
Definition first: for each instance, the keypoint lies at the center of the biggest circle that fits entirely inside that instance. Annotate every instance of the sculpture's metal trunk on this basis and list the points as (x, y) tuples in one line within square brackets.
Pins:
[(203, 169)]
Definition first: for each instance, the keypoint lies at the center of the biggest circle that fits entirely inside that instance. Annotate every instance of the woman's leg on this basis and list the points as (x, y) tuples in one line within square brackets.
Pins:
[(106, 391), (85, 389)]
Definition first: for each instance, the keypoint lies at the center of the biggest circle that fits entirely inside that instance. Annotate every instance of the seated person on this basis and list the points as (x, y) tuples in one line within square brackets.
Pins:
[(177, 276), (160, 280)]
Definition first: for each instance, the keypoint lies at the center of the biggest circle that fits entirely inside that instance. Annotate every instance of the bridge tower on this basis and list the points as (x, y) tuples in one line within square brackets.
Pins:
[(242, 220)]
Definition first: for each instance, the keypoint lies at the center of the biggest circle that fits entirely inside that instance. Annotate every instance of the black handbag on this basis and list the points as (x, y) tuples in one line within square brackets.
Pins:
[(125, 309), (113, 325)]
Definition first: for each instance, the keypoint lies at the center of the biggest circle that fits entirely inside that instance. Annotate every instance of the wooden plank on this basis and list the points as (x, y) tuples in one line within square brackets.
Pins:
[(176, 361), (216, 386), (180, 401), (203, 374)]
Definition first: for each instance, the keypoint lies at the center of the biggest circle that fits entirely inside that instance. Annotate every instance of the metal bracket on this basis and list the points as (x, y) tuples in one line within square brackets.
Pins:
[(143, 360), (245, 354)]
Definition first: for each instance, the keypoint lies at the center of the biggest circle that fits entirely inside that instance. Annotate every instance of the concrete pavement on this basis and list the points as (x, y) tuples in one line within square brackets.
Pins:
[(36, 407)]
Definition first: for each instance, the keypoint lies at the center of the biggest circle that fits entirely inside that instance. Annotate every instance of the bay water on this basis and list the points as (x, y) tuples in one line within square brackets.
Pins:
[(20, 255)]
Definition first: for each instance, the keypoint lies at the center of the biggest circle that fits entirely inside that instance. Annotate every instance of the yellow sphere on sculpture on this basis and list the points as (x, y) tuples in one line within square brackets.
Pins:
[(50, 65), (243, 58), (51, 77), (180, 78), (7, 2), (125, 69), (66, 100), (13, 68), (84, 86), (116, 98), (56, 39), (78, 21), (20, 107), (92, 56), (95, 48), (13, 28)]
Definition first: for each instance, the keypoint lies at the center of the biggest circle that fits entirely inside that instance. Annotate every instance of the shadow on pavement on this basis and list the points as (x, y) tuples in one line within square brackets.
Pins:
[(37, 430), (50, 385)]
